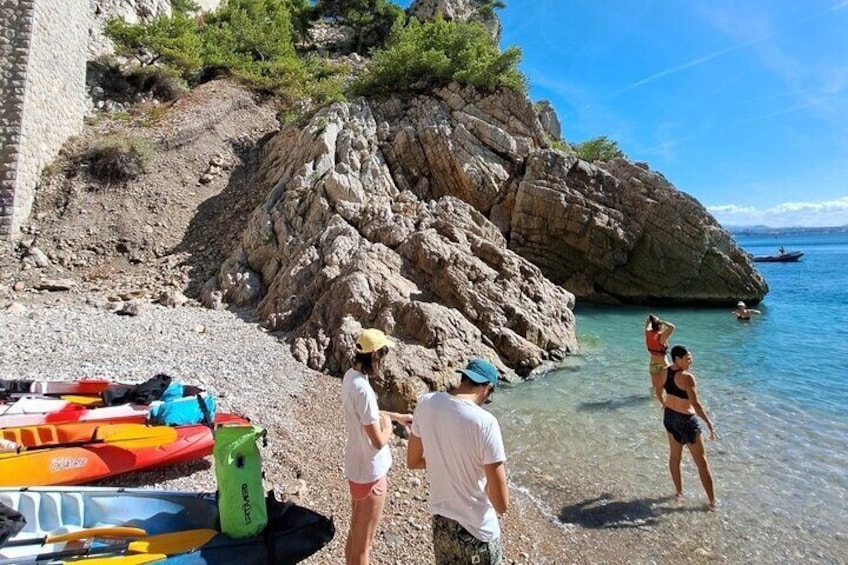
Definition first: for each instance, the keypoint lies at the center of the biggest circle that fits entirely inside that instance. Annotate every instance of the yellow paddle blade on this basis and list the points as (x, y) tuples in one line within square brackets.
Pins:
[(172, 542), (138, 559), (87, 401), (135, 435)]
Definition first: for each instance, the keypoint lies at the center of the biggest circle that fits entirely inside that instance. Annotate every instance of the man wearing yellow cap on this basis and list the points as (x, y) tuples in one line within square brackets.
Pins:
[(367, 455), (461, 447)]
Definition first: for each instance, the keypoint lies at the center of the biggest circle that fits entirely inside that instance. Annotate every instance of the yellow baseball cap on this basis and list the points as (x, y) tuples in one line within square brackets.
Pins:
[(372, 340)]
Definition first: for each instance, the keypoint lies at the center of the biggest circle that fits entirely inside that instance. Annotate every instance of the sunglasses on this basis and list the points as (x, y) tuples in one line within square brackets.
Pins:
[(489, 395)]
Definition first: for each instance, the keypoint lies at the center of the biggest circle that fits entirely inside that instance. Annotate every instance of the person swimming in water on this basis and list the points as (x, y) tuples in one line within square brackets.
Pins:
[(681, 412), (743, 313), (657, 333)]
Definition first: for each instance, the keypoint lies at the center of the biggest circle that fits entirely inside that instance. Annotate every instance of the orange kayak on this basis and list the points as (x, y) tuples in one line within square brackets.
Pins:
[(74, 453)]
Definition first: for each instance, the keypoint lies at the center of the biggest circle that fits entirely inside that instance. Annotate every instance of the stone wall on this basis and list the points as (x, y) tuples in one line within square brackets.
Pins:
[(43, 51)]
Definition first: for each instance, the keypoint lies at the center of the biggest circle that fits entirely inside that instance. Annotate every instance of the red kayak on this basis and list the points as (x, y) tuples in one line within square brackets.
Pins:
[(82, 386), (91, 387), (66, 454), (32, 411)]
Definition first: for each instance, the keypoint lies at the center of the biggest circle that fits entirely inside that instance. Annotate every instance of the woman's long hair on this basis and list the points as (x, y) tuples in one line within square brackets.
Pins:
[(655, 323), (368, 363)]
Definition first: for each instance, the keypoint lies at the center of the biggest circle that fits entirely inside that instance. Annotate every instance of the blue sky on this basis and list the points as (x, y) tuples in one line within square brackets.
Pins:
[(743, 105)]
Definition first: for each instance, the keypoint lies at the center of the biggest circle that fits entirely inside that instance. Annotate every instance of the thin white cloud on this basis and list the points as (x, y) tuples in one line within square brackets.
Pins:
[(731, 49), (788, 214), (693, 63)]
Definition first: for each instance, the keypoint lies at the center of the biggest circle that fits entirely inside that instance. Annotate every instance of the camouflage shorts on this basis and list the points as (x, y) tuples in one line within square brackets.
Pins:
[(452, 544)]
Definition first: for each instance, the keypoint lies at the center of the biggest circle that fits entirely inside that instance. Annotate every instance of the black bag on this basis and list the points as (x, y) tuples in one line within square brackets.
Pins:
[(13, 386), (145, 393), (294, 532), (11, 522)]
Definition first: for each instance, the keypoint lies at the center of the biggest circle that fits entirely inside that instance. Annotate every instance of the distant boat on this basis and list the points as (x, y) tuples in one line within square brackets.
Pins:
[(790, 257)]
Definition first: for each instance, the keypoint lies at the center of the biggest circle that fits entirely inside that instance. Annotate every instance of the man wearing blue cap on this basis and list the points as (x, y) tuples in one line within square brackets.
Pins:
[(460, 446)]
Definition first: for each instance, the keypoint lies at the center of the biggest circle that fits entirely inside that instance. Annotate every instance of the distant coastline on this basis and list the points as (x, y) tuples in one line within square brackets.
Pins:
[(766, 230)]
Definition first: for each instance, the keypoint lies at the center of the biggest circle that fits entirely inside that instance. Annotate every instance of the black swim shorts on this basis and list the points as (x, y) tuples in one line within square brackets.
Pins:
[(683, 427)]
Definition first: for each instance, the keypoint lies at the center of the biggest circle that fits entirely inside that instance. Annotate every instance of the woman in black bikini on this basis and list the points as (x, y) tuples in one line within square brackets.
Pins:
[(679, 398)]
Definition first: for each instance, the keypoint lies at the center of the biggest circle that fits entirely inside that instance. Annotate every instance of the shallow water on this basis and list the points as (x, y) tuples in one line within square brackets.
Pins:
[(587, 439)]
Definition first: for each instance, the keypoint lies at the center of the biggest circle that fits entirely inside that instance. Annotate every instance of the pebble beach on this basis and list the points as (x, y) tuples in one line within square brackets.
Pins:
[(251, 373)]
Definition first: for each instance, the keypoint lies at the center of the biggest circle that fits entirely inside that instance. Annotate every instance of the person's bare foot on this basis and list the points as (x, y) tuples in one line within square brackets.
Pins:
[(679, 496)]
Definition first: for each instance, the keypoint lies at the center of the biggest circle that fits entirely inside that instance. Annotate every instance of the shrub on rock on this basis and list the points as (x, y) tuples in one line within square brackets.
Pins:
[(117, 158)]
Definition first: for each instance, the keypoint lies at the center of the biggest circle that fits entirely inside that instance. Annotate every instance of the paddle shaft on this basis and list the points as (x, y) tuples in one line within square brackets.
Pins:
[(120, 549), (83, 552), (117, 531), (170, 543), (137, 559)]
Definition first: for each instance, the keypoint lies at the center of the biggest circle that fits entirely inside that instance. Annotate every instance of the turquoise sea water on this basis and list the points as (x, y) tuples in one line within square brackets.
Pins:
[(776, 388)]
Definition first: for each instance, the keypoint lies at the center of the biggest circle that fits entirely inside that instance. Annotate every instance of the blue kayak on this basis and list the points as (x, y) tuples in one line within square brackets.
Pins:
[(293, 532)]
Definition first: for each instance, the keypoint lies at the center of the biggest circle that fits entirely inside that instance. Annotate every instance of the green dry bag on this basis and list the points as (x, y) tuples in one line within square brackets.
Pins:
[(238, 470)]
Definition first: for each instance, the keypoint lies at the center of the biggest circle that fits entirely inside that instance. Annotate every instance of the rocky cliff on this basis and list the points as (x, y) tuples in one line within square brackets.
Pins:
[(449, 222), (339, 244)]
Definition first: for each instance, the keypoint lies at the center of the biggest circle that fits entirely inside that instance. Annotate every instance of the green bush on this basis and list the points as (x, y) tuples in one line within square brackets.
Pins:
[(487, 8), (249, 39), (598, 149), (184, 6), (160, 82), (561, 146), (326, 80), (172, 41), (249, 35), (117, 158), (370, 21), (421, 56)]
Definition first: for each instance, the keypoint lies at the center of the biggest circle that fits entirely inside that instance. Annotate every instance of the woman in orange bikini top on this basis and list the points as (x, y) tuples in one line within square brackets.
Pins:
[(657, 333)]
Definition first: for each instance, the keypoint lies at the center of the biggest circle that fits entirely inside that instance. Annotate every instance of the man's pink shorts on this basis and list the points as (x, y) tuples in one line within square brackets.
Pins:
[(358, 491)]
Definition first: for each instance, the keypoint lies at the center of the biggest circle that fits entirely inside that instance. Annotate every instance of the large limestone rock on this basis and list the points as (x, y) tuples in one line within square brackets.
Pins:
[(338, 245), (461, 143), (549, 119), (613, 232), (617, 232)]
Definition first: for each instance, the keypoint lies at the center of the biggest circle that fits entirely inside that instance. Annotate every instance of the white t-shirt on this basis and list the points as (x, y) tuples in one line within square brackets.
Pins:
[(363, 463), (459, 437)]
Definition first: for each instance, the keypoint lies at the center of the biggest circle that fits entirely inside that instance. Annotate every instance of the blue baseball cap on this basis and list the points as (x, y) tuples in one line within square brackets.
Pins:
[(481, 371)]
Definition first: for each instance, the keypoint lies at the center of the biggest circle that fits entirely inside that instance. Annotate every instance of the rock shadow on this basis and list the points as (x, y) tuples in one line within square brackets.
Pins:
[(146, 478), (604, 512), (214, 231), (614, 403)]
